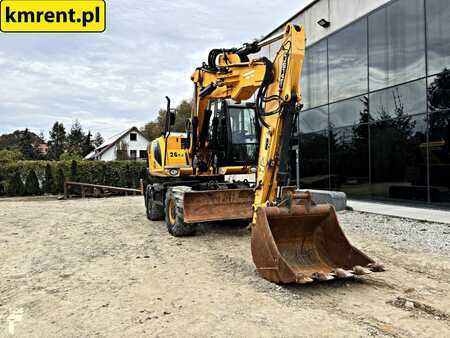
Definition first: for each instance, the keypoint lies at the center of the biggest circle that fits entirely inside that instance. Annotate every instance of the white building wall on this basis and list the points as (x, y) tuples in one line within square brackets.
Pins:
[(141, 143), (339, 12)]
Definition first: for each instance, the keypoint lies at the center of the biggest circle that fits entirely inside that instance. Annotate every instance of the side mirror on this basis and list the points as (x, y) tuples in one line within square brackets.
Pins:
[(170, 117)]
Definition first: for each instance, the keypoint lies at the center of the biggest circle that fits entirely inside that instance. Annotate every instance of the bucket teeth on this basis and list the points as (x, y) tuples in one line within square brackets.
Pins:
[(322, 277), (305, 243), (376, 267), (304, 280), (341, 273), (359, 270)]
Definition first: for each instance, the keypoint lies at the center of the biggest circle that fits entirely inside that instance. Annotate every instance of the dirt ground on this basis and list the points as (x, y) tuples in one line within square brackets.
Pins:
[(99, 268)]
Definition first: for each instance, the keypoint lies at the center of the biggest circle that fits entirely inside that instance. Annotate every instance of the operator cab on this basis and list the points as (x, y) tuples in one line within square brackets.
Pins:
[(234, 133)]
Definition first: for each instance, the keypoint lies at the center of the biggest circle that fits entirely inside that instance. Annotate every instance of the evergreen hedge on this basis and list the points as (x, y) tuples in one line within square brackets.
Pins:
[(32, 187), (50, 175)]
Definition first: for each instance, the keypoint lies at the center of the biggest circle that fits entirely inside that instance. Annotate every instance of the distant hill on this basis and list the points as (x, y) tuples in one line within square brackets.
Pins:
[(11, 141)]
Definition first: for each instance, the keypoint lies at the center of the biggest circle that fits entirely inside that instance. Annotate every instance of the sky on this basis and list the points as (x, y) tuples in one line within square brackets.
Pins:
[(117, 79)]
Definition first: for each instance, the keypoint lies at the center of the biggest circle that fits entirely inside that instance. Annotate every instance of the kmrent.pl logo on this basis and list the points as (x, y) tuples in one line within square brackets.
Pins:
[(52, 16)]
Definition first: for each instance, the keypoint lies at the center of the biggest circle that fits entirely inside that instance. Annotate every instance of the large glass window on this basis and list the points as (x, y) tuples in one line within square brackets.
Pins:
[(439, 148), (397, 44), (314, 170), (349, 112), (347, 54), (348, 175), (399, 158), (304, 82), (371, 101), (439, 92), (316, 75), (398, 101), (313, 120), (438, 28)]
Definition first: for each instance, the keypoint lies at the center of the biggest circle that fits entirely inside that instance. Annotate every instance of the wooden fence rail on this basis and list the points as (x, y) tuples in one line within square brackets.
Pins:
[(85, 186)]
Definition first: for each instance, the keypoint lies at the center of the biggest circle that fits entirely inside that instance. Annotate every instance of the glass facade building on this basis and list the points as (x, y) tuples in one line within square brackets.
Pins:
[(376, 116)]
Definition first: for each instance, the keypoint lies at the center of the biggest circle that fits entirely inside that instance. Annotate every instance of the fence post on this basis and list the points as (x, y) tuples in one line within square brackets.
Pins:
[(65, 190), (141, 183)]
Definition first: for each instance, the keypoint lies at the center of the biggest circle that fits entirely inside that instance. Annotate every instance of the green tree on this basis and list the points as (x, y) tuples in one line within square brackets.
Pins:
[(439, 92), (32, 184), (10, 156), (49, 182), (26, 146), (57, 141), (439, 99), (11, 141), (98, 140), (15, 185), (75, 138), (154, 128), (183, 112), (87, 145), (151, 130)]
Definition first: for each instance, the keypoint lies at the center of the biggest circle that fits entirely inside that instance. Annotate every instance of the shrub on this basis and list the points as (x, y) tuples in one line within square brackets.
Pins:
[(32, 184), (49, 182), (15, 185), (59, 185), (70, 156), (115, 173), (73, 171)]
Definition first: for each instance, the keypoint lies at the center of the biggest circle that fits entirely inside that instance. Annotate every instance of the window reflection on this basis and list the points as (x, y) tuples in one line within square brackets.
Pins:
[(395, 102), (313, 120), (348, 175), (397, 44), (314, 171), (439, 147), (391, 121), (315, 73), (399, 157), (438, 29), (347, 54), (439, 92), (349, 112), (304, 82)]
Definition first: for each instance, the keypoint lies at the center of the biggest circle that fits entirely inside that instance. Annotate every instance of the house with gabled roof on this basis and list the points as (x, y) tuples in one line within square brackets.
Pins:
[(130, 144)]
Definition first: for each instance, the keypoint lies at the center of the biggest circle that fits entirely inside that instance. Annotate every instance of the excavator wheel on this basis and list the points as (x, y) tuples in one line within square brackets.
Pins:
[(174, 213), (155, 212)]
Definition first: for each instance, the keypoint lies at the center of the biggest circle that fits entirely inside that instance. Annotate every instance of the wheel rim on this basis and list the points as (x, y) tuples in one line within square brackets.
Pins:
[(172, 216)]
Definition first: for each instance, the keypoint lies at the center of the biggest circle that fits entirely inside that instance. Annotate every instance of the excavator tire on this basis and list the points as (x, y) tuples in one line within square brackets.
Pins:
[(174, 213), (155, 212)]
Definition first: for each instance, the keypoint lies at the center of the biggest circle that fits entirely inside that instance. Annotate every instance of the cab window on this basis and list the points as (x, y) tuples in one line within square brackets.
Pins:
[(157, 152)]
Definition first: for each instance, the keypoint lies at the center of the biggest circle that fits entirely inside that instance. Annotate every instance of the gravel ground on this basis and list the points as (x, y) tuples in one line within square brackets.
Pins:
[(99, 268), (399, 232)]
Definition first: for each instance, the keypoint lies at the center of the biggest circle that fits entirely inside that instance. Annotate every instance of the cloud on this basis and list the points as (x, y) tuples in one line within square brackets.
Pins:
[(117, 79)]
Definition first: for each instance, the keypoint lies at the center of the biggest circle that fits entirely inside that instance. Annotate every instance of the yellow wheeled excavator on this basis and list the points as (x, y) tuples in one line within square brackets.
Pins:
[(293, 240)]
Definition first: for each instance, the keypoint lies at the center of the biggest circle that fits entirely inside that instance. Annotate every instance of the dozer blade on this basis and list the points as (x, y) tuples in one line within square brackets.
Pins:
[(305, 243), (218, 205)]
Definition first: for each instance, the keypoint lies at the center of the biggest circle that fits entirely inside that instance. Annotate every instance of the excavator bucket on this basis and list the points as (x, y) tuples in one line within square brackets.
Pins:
[(304, 243)]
